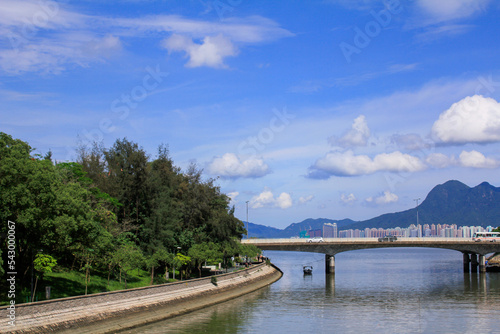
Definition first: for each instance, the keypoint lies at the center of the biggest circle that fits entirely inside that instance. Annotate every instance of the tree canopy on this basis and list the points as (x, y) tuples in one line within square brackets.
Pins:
[(114, 208)]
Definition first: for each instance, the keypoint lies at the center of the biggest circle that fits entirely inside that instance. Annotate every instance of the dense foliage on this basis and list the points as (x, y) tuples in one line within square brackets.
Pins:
[(113, 210)]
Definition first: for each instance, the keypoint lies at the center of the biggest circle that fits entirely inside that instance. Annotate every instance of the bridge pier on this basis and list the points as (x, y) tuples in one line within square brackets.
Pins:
[(330, 264), (482, 264), (466, 262), (473, 263)]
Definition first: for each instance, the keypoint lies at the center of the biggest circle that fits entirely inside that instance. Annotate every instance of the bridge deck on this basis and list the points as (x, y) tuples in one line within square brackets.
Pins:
[(333, 246)]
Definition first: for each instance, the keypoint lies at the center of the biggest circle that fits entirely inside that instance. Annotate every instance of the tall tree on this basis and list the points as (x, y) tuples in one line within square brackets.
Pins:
[(127, 175)]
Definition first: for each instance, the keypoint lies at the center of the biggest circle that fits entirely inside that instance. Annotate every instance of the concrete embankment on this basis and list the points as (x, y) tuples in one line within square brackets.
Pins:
[(110, 312)]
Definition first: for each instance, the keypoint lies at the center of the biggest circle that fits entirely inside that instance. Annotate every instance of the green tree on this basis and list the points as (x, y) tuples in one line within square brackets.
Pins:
[(205, 252), (127, 174), (51, 211), (249, 251), (162, 226), (128, 257), (181, 261), (43, 263), (159, 258)]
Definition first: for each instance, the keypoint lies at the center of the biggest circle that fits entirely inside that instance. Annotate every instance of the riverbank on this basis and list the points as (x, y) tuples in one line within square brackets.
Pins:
[(113, 311)]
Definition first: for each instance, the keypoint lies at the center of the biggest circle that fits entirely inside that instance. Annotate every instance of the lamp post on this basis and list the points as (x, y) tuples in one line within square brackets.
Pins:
[(416, 200), (247, 219)]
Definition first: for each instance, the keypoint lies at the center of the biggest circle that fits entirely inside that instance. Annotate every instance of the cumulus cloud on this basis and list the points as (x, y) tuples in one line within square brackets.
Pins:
[(357, 136), (348, 164), (267, 199), (305, 199), (474, 119), (476, 159), (386, 198), (230, 166), (348, 199), (211, 52)]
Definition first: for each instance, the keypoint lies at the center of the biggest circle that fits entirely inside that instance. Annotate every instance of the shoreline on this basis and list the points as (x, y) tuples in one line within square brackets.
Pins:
[(119, 310)]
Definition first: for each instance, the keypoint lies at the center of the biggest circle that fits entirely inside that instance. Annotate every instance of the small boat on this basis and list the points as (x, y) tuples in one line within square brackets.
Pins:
[(308, 270)]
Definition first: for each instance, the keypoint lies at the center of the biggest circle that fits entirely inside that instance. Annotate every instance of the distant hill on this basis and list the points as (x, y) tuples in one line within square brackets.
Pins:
[(449, 203), (313, 224), (261, 231)]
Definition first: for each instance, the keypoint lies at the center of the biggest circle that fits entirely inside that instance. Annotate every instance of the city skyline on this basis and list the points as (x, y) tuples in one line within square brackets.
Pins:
[(330, 230)]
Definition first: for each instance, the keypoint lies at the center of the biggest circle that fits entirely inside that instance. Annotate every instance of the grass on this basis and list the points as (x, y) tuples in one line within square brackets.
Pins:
[(65, 283)]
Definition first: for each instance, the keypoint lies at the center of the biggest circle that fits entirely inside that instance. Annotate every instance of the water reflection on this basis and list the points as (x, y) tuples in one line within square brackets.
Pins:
[(378, 291)]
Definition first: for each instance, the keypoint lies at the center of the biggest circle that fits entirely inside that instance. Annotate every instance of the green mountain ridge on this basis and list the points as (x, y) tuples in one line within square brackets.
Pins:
[(452, 202)]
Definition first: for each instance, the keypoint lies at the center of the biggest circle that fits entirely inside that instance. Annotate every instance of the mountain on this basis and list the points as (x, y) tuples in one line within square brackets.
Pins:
[(449, 203), (261, 231)]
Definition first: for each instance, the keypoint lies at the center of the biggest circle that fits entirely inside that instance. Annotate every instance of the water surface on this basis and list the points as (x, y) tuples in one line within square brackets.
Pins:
[(397, 290)]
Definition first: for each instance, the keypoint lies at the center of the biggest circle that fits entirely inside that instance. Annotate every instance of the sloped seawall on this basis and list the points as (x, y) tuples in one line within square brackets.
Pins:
[(112, 311)]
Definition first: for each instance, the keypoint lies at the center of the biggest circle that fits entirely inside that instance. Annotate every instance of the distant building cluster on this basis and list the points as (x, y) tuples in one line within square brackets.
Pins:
[(330, 230)]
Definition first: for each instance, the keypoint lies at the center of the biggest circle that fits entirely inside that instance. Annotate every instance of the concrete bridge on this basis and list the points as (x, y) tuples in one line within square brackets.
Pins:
[(473, 252)]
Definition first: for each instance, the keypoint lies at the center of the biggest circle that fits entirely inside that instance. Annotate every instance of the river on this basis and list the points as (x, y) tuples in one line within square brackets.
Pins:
[(398, 290)]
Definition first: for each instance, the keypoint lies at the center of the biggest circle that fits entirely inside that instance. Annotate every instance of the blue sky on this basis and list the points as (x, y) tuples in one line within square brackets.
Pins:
[(333, 108)]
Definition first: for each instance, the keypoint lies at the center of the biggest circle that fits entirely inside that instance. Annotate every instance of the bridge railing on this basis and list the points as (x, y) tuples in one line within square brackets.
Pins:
[(350, 240)]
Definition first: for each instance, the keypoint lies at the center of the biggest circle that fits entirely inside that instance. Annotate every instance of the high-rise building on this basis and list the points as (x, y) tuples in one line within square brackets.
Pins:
[(329, 230)]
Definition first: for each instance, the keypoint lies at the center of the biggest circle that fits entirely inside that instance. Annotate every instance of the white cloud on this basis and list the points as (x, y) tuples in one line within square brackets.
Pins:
[(54, 55), (348, 199), (252, 29), (474, 119), (232, 195), (386, 198), (31, 15), (445, 10), (267, 199), (48, 36), (230, 166), (211, 52), (476, 159), (348, 164), (357, 136), (440, 160), (103, 47), (305, 199)]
